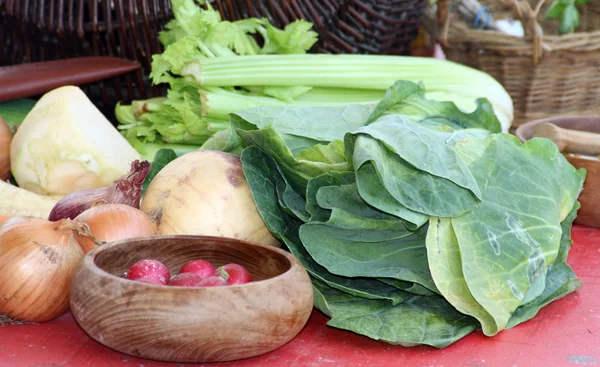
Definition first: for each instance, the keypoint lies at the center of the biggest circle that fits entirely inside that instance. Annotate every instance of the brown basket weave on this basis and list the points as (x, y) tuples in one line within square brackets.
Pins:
[(544, 73), (38, 30)]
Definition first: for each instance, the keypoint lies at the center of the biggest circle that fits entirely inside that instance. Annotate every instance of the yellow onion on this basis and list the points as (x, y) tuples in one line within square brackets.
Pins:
[(5, 139), (112, 222), (37, 260)]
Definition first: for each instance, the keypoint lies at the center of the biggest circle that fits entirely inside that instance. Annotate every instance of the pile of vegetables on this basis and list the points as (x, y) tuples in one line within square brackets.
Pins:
[(46, 237), (215, 67), (39, 255), (418, 223)]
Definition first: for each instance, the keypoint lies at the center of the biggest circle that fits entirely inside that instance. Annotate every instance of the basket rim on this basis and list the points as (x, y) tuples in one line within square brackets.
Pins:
[(491, 39), (456, 32)]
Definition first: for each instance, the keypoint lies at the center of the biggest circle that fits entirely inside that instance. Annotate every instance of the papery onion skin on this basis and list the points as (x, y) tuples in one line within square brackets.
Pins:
[(37, 263), (5, 139), (112, 222), (125, 190)]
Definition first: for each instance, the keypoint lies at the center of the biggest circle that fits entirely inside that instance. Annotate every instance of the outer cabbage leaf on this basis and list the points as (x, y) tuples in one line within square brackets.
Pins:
[(560, 279), (319, 123), (408, 99), (418, 320), (407, 286), (367, 248), (262, 175), (443, 254), (326, 179), (297, 171), (423, 148), (416, 190), (508, 241), (375, 194)]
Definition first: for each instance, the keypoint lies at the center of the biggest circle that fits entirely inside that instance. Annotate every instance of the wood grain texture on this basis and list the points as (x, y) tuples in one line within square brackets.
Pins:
[(179, 324), (570, 141), (589, 213)]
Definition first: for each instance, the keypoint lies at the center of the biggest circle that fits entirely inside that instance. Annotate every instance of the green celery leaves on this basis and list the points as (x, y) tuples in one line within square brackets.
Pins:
[(198, 32)]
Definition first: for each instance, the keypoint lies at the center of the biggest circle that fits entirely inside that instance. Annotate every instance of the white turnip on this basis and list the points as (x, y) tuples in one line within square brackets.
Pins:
[(205, 193)]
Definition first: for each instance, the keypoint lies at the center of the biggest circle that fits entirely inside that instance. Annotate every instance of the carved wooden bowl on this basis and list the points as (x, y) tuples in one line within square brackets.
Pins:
[(181, 324)]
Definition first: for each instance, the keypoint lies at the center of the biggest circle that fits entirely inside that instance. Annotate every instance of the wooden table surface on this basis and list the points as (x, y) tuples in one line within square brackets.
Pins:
[(565, 333)]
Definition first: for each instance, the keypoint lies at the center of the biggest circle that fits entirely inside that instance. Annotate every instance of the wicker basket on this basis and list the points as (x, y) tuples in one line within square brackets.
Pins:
[(37, 30), (544, 73)]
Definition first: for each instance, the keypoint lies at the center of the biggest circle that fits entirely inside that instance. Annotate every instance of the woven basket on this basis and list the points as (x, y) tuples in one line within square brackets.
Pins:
[(37, 30), (544, 73)]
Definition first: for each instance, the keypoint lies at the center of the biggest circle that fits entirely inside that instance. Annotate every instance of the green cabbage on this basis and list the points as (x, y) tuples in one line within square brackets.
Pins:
[(417, 223)]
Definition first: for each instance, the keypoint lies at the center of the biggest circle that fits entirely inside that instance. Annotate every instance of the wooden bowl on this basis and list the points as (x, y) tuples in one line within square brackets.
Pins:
[(180, 324), (589, 214)]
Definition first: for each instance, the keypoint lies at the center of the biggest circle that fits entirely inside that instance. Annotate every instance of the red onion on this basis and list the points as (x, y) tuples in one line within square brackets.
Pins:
[(125, 190)]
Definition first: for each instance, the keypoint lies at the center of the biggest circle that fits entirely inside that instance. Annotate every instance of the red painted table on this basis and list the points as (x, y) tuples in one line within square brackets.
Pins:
[(565, 333)]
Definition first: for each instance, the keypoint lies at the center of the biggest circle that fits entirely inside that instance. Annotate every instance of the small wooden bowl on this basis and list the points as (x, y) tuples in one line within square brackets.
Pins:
[(589, 214), (180, 324)]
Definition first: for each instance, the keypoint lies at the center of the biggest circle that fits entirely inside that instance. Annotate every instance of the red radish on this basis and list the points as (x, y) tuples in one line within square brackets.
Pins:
[(149, 269), (234, 274), (150, 281), (200, 267), (186, 280), (214, 281)]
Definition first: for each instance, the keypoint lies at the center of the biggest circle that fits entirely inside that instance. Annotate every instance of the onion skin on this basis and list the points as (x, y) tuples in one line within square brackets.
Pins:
[(37, 263), (5, 139), (112, 222), (125, 190)]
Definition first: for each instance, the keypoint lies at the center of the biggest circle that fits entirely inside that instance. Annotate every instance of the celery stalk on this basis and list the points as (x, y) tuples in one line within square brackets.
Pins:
[(348, 71), (219, 104)]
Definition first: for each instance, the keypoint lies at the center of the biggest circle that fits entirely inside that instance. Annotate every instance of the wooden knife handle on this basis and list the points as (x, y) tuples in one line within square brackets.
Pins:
[(570, 141), (31, 79)]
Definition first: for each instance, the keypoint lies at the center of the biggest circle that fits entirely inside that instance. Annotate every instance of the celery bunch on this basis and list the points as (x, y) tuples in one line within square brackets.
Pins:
[(215, 67), (198, 32)]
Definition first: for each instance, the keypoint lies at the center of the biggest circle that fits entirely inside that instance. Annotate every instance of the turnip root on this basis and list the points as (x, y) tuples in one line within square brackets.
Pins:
[(205, 193)]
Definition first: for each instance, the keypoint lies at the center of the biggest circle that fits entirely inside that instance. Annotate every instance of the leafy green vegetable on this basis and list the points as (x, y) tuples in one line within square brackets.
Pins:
[(258, 166), (334, 178), (322, 124), (14, 112), (399, 257), (408, 99), (418, 320), (411, 142), (560, 279), (414, 228), (375, 194), (298, 171), (406, 286), (525, 187), (415, 189), (444, 257)]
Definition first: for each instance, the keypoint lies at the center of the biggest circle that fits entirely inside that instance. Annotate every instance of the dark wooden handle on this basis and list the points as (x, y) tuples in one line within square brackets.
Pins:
[(26, 80)]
